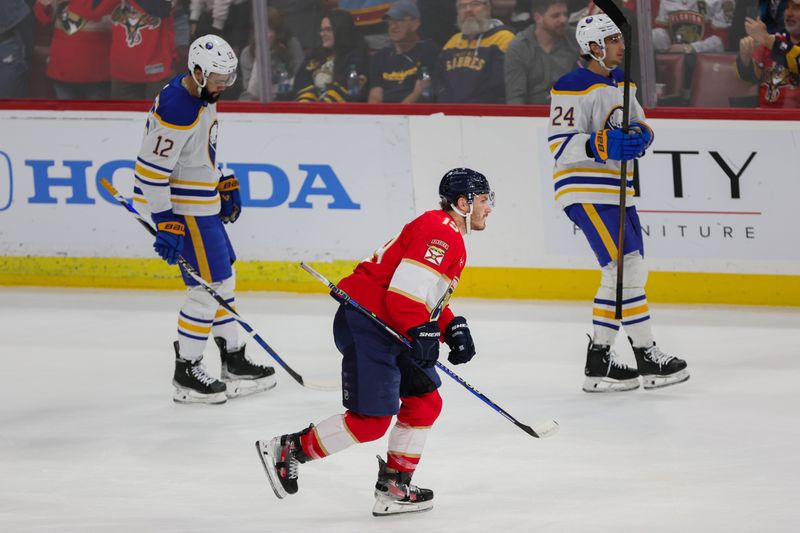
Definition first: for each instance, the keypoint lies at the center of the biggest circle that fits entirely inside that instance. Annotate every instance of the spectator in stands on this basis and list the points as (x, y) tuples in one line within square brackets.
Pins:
[(692, 26), (397, 71), (771, 13), (368, 16), (773, 60), (143, 47), (230, 19), (437, 20), (539, 55), (16, 47), (336, 71), (79, 51), (470, 66), (286, 56), (302, 18)]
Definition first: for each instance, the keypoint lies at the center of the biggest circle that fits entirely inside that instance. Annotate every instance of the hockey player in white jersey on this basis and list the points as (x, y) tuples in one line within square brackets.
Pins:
[(588, 146), (177, 180)]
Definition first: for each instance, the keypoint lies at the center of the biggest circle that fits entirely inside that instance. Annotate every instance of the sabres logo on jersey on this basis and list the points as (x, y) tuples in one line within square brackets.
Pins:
[(133, 21), (614, 119), (212, 142)]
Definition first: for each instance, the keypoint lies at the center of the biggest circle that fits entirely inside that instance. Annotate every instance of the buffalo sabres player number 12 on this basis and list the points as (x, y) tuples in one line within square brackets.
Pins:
[(588, 146), (189, 199)]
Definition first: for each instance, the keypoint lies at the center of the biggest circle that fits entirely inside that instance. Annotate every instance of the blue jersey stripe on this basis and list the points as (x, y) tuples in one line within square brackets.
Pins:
[(151, 183), (193, 319), (151, 165), (204, 193)]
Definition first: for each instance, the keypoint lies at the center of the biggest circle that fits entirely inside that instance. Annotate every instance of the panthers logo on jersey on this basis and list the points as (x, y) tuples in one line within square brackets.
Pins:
[(133, 21), (67, 21), (212, 142)]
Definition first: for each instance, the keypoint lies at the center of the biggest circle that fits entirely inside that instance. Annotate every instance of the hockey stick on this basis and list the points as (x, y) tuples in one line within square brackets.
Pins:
[(614, 13), (546, 429), (189, 269)]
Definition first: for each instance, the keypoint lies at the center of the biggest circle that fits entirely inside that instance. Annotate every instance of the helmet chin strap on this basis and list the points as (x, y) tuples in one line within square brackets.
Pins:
[(600, 60), (467, 216)]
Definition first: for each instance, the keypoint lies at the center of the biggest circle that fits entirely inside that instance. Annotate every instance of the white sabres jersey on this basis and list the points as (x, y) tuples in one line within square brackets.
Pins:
[(176, 166), (583, 102)]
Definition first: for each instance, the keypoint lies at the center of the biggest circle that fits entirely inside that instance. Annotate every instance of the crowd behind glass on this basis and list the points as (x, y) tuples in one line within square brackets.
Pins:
[(698, 53)]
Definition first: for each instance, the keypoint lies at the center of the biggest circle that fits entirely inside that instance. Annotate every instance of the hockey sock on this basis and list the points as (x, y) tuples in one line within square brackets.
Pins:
[(338, 432), (635, 310), (407, 438), (225, 325), (194, 323)]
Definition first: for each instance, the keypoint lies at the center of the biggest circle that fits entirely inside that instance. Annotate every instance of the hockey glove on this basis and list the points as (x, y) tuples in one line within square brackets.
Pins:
[(169, 235), (230, 199), (615, 145), (425, 344), (459, 339), (646, 132)]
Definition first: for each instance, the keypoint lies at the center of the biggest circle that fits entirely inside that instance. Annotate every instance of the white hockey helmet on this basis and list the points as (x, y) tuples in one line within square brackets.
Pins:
[(594, 29), (214, 56)]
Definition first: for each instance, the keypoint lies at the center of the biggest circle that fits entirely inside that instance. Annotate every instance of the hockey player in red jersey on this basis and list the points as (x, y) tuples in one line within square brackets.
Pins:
[(401, 283)]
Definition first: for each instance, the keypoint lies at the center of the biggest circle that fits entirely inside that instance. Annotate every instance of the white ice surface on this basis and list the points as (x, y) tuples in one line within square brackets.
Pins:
[(90, 439)]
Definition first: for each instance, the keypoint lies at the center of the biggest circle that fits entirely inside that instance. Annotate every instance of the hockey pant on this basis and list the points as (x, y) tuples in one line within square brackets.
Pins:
[(406, 440)]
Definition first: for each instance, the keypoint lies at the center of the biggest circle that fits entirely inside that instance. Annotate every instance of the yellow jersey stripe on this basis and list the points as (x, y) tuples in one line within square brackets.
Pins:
[(601, 229), (147, 173), (199, 249), (589, 171), (175, 126), (191, 327)]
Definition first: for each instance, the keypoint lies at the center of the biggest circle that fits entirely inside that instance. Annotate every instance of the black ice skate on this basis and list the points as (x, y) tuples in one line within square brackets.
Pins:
[(604, 373), (394, 493), (241, 375), (281, 458), (659, 369), (193, 384)]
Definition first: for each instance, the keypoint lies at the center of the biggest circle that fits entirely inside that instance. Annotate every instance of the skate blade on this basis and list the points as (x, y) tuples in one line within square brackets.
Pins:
[(268, 461), (184, 395), (245, 387), (384, 507), (591, 384), (659, 382)]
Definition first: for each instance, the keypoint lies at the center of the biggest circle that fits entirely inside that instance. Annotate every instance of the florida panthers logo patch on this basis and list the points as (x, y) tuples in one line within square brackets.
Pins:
[(434, 255), (67, 21), (133, 21)]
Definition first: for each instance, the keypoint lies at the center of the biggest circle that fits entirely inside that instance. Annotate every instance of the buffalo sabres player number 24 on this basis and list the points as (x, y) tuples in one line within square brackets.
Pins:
[(588, 147)]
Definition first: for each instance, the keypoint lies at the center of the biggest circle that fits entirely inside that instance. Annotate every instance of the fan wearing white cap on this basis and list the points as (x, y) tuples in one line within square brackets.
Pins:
[(176, 178), (588, 146)]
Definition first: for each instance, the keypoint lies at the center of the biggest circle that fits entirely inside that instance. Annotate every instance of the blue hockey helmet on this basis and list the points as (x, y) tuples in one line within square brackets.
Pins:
[(464, 182)]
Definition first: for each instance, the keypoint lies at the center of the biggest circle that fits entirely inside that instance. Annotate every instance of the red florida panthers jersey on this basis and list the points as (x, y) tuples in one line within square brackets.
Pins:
[(404, 279)]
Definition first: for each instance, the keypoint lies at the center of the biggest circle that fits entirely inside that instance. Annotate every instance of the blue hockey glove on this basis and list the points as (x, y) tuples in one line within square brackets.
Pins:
[(459, 339), (425, 344), (646, 132), (230, 199), (169, 235), (615, 145)]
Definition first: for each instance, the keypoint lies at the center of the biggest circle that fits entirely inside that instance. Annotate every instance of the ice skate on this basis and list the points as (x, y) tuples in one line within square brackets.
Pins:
[(281, 458), (659, 369), (241, 375), (192, 383), (394, 493), (605, 373)]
